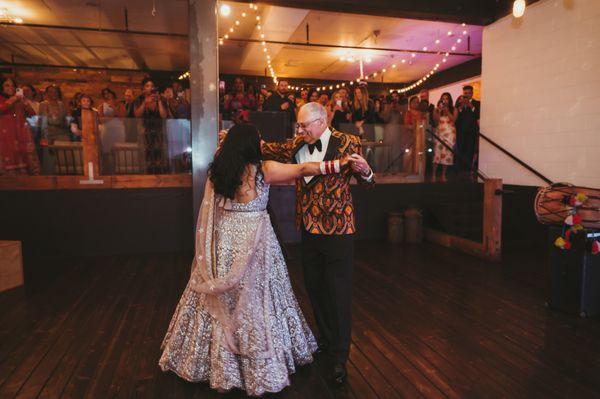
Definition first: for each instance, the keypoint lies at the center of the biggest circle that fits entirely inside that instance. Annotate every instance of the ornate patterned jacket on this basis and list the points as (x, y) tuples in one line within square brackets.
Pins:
[(324, 204)]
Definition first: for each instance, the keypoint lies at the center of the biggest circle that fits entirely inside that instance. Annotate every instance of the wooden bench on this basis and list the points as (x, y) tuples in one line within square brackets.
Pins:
[(11, 265)]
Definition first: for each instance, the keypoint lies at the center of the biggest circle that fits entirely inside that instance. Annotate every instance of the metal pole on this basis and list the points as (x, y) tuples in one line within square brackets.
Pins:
[(204, 84)]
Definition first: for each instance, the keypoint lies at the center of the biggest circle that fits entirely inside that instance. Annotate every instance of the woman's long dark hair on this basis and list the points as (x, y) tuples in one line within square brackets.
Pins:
[(450, 103), (4, 79), (240, 148)]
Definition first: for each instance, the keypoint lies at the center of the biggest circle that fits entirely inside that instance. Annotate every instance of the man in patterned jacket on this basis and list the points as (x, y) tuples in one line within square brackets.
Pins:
[(325, 215)]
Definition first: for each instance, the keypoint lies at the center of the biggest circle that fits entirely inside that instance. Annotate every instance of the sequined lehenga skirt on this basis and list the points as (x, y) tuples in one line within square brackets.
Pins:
[(190, 349)]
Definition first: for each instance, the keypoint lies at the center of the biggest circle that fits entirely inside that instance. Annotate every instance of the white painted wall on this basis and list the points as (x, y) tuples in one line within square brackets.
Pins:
[(541, 93)]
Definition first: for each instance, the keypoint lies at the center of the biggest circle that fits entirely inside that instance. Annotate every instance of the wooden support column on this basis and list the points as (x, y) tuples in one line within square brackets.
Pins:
[(492, 217), (90, 141), (204, 85), (419, 148)]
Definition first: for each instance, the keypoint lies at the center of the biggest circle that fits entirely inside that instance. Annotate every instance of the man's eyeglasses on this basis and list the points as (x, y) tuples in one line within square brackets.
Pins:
[(303, 126)]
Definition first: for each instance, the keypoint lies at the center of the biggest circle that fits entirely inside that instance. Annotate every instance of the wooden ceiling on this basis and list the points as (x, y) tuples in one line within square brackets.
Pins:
[(473, 12), (116, 34)]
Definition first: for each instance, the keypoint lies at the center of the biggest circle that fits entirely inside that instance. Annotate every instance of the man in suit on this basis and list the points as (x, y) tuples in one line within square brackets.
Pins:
[(280, 101), (325, 215), (467, 128)]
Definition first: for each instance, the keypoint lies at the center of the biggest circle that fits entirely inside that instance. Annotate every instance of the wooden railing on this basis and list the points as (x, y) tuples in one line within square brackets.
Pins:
[(78, 165), (490, 246)]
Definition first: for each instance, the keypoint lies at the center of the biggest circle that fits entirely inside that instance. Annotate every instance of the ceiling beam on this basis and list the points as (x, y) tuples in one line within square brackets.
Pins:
[(89, 29), (41, 65), (324, 45), (472, 12)]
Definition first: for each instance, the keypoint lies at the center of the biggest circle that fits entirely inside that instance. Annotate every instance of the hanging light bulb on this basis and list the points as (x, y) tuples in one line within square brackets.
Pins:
[(519, 8), (225, 10)]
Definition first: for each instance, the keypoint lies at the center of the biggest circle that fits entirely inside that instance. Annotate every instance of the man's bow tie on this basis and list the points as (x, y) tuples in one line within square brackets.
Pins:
[(316, 144)]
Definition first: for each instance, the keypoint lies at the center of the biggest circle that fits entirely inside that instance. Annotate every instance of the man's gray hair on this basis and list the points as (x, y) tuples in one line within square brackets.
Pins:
[(315, 110)]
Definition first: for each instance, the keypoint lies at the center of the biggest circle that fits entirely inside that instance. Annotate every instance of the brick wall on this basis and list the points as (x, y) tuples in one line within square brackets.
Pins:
[(541, 93)]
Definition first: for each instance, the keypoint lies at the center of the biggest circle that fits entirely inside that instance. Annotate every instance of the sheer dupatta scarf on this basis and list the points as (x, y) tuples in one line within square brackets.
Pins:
[(245, 326)]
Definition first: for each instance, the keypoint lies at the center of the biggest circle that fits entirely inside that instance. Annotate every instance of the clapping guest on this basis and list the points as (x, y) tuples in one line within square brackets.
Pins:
[(17, 149), (110, 106), (467, 129), (30, 93), (85, 103)]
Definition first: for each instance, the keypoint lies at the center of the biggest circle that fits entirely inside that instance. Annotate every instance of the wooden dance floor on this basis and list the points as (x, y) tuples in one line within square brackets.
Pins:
[(427, 323)]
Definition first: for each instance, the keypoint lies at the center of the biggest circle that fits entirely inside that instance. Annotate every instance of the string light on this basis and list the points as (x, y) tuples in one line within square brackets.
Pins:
[(347, 57), (519, 8), (225, 10), (264, 44), (433, 70), (423, 79)]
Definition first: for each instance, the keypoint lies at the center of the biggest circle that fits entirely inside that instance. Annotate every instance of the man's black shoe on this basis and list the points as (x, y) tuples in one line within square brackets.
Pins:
[(339, 373), (323, 346)]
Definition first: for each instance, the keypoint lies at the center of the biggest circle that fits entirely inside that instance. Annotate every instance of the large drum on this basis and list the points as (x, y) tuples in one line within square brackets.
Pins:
[(552, 205)]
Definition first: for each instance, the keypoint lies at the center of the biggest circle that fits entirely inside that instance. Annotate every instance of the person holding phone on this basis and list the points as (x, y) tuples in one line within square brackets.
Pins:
[(338, 110), (444, 116), (151, 107), (17, 149)]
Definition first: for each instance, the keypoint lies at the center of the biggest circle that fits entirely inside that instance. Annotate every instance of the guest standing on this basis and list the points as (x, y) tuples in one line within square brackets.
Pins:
[(85, 102), (280, 102), (444, 116), (338, 111), (151, 107), (467, 129), (362, 109), (323, 99), (239, 104), (17, 149), (53, 117)]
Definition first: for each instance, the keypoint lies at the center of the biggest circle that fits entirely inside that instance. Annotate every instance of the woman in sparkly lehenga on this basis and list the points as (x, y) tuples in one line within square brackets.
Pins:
[(238, 324)]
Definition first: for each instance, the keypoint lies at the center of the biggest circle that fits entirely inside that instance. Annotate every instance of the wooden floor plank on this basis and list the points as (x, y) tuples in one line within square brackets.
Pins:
[(427, 322)]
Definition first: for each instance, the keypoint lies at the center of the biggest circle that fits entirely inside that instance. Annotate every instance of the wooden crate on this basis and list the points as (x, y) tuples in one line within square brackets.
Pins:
[(11, 265)]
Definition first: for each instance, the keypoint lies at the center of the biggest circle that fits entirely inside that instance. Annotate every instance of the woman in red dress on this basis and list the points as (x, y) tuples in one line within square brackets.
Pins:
[(17, 149)]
